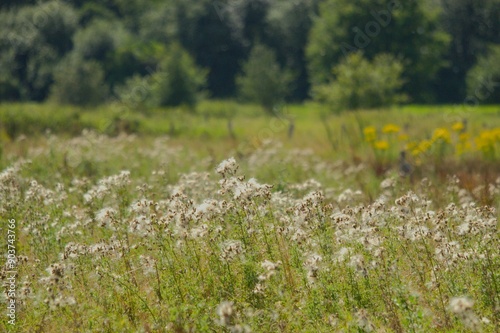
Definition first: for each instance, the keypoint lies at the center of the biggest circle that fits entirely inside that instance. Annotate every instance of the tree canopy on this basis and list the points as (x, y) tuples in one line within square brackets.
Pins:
[(437, 43)]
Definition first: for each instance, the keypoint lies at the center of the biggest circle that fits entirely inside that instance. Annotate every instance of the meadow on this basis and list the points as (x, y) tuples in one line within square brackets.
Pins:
[(226, 220)]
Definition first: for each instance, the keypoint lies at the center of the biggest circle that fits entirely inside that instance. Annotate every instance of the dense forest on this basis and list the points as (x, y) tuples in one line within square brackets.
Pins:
[(359, 52)]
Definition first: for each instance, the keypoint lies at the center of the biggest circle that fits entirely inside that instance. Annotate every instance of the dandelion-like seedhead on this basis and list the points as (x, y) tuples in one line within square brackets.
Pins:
[(227, 167), (230, 250), (317, 244), (462, 307), (226, 313)]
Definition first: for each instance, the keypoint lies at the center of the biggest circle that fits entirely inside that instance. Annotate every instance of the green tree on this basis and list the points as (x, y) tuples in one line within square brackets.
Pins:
[(178, 81), (136, 93), (113, 46), (359, 83), (472, 24), (263, 80), (404, 29), (483, 80), (32, 41), (79, 82), (290, 23)]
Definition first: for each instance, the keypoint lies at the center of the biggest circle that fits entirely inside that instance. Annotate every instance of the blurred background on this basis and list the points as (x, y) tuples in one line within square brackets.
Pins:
[(346, 54)]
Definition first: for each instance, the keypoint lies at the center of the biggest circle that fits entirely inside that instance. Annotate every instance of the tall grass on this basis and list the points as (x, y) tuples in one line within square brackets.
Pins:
[(143, 234)]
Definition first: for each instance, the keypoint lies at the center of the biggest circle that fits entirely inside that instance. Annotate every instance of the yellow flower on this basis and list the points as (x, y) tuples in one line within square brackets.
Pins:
[(496, 133), (441, 134), (391, 128), (411, 145), (487, 139), (463, 137), (458, 126), (462, 147), (381, 145), (403, 137), (483, 144), (422, 147), (370, 133)]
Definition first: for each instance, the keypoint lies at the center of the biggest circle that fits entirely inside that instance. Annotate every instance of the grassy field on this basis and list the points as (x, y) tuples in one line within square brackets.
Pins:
[(230, 221)]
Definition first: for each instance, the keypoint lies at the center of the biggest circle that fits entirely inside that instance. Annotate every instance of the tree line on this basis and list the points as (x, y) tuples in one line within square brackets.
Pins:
[(346, 53)]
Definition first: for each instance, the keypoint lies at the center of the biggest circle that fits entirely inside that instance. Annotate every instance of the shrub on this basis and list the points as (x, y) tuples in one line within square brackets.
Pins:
[(35, 119), (410, 30), (263, 81), (483, 78), (98, 40), (359, 83), (178, 81), (136, 93), (79, 82), (33, 40)]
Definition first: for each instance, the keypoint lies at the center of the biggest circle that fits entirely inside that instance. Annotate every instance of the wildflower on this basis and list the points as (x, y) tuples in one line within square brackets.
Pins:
[(252, 188), (270, 268), (462, 308), (460, 305), (458, 126), (230, 250), (228, 166), (148, 263), (348, 195), (463, 145), (300, 236), (60, 301), (421, 147), (363, 322), (441, 134), (403, 137), (25, 290), (208, 209), (141, 225), (391, 128), (312, 265), (105, 216), (225, 311), (486, 140), (105, 185), (199, 232), (387, 183), (342, 254), (73, 250), (56, 284), (358, 263), (142, 206), (381, 145), (370, 133)]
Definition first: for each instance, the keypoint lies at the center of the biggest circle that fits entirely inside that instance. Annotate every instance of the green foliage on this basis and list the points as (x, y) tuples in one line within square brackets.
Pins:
[(35, 119), (178, 81), (110, 44), (98, 39), (483, 80), (359, 83), (79, 82), (146, 227), (263, 81), (472, 25), (289, 26), (136, 93), (407, 30), (308, 37), (32, 41), (159, 24)]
